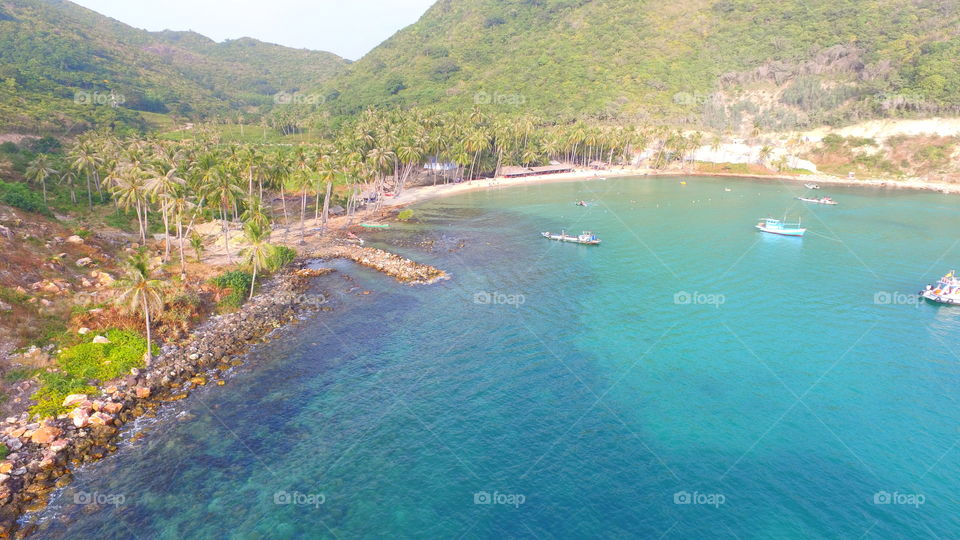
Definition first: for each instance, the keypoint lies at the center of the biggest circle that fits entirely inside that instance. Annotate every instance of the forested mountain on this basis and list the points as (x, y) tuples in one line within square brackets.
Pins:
[(736, 65), (65, 68), (717, 63)]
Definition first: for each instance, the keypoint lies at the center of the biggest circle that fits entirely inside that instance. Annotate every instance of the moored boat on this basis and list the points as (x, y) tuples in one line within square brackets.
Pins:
[(821, 200), (945, 291), (811, 186), (775, 226), (587, 238)]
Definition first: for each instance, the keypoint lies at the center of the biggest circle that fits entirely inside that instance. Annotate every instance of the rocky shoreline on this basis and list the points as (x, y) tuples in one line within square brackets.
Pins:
[(395, 266), (43, 454)]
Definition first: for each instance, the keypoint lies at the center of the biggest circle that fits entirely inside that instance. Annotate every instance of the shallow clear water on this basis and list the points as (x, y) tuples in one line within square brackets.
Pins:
[(781, 384)]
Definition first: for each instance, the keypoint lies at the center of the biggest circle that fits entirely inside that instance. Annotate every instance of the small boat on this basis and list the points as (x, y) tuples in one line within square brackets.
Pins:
[(581, 203), (821, 200), (375, 225), (775, 226), (811, 186), (728, 190), (587, 238), (945, 291)]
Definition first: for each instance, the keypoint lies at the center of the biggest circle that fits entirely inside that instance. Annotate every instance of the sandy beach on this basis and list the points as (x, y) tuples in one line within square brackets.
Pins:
[(423, 193)]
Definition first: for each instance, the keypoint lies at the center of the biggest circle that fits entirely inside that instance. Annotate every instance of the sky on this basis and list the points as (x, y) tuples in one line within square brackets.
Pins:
[(349, 28)]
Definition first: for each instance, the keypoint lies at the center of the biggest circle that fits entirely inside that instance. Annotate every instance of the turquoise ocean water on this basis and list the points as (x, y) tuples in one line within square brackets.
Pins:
[(689, 378)]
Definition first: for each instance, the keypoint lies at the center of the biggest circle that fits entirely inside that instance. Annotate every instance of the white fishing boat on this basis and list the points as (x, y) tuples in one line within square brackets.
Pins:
[(811, 186), (587, 238), (945, 291), (821, 200), (775, 226)]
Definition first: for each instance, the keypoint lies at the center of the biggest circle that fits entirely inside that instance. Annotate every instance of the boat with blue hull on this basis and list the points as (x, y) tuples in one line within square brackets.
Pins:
[(776, 226)]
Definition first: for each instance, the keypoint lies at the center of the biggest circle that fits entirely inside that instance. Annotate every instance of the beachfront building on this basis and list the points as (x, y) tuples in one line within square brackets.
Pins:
[(436, 166)]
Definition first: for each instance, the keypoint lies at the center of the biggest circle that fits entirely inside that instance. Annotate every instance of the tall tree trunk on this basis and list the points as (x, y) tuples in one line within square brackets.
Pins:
[(303, 215), (326, 208), (146, 222), (226, 233), (89, 193), (143, 236), (183, 263), (96, 176), (166, 236), (253, 282), (286, 218), (146, 314)]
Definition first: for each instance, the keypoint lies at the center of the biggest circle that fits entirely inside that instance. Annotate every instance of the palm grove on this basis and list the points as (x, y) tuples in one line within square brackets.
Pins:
[(271, 191)]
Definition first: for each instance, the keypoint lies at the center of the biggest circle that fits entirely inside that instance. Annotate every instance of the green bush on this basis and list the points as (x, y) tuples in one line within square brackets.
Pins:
[(104, 361), (238, 282), (87, 363), (20, 196), (405, 215), (54, 387), (280, 256)]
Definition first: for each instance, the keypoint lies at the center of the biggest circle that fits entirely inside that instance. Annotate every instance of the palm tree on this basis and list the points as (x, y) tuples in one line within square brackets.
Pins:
[(180, 205), (162, 188), (196, 242), (69, 178), (39, 170), (258, 253), (139, 291), (221, 188), (130, 192), (764, 155), (84, 159)]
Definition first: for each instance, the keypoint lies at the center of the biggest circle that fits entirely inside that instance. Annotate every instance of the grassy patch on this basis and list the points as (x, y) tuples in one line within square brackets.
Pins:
[(12, 295), (280, 256), (16, 375), (238, 283), (86, 364)]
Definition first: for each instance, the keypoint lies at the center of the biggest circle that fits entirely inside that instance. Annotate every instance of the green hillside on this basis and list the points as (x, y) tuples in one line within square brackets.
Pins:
[(721, 63), (64, 68)]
